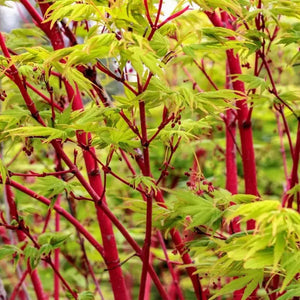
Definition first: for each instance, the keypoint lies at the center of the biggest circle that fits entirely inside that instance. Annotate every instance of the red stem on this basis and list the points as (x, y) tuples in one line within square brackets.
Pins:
[(109, 242), (202, 68), (41, 174), (282, 149), (147, 172), (37, 284), (158, 12), (231, 150), (191, 79), (130, 167), (288, 199), (13, 210), (245, 129), (53, 33), (180, 247), (161, 126), (230, 121), (33, 12), (15, 291), (18, 81), (231, 168), (91, 191), (294, 174), (60, 277), (44, 97), (56, 252), (287, 130), (148, 13), (39, 93), (170, 266), (62, 212), (112, 75), (172, 17), (179, 244)]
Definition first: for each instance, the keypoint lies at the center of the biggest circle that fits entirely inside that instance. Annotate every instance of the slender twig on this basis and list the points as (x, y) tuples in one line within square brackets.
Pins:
[(202, 69), (282, 149), (161, 126), (286, 128), (274, 88), (15, 291), (158, 12), (129, 165), (61, 278), (288, 199), (15, 157), (147, 12), (170, 266), (191, 79), (164, 172), (172, 17), (33, 174), (106, 71)]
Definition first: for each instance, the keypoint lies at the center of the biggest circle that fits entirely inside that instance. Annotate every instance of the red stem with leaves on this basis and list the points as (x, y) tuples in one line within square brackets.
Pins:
[(244, 124)]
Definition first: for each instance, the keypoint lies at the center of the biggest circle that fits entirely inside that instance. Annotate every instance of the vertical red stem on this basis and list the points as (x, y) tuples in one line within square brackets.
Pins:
[(244, 123), (245, 128), (37, 284), (56, 253), (282, 149), (231, 167), (146, 172), (288, 199), (109, 243), (180, 246)]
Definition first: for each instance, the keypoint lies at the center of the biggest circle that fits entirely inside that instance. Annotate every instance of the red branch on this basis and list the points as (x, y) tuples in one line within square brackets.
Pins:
[(245, 128)]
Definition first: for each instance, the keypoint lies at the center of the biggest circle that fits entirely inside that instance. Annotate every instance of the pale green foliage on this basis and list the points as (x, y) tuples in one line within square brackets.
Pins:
[(87, 295), (3, 171), (8, 250), (272, 248)]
